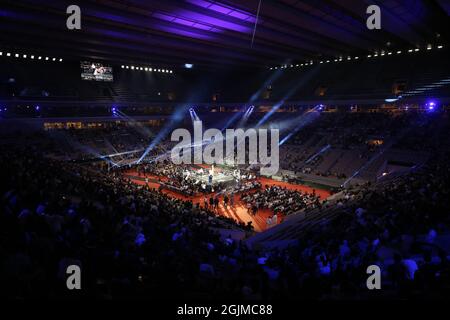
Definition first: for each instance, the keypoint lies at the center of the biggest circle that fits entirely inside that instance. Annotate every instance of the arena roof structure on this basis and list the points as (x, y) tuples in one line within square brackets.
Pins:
[(205, 32)]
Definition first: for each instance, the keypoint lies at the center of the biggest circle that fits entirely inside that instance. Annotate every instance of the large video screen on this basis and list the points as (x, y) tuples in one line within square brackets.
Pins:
[(96, 71)]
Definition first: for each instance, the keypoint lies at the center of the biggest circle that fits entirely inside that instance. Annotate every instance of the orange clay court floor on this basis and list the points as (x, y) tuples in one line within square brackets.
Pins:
[(239, 210)]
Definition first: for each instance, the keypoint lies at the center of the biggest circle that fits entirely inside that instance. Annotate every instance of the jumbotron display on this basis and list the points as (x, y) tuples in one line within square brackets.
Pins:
[(95, 71)]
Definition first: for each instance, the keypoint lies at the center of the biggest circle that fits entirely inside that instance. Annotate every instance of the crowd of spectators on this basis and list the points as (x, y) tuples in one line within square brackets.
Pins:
[(281, 200), (136, 242), (121, 234)]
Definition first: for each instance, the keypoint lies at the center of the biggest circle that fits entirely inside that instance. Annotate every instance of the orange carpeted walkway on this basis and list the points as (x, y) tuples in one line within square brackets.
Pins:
[(239, 211)]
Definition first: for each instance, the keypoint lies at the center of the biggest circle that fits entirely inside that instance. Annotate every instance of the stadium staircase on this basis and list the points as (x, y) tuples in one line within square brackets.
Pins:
[(288, 232), (121, 93), (430, 86)]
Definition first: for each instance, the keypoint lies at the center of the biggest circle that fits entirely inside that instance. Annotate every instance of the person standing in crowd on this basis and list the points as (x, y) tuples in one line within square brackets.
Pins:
[(254, 210), (211, 202), (205, 202), (216, 203), (275, 219), (232, 200), (225, 200)]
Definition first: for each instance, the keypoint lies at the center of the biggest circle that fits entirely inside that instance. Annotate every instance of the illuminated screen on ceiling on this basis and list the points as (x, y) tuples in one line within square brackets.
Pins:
[(96, 71)]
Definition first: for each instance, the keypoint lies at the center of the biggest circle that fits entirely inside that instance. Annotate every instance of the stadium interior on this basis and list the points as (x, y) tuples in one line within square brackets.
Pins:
[(88, 176)]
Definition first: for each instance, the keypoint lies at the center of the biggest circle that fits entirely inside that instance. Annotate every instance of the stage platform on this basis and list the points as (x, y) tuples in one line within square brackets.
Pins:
[(220, 175), (218, 178)]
